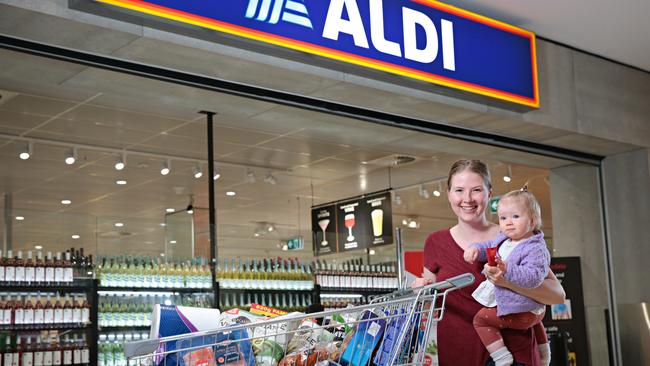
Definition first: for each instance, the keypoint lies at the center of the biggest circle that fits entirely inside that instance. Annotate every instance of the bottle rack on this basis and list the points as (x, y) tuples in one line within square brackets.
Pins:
[(66, 317)]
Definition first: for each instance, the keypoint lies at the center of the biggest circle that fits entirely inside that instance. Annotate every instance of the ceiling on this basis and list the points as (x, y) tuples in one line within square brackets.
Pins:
[(617, 30), (316, 158)]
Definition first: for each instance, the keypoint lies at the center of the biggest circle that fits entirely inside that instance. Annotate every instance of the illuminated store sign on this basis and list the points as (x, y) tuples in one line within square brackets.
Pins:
[(420, 39)]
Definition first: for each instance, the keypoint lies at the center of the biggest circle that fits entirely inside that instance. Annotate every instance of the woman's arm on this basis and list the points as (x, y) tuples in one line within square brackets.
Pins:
[(549, 292), (427, 279)]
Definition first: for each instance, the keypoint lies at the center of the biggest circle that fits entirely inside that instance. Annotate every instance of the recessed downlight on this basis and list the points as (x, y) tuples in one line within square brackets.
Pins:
[(120, 182), (38, 247), (169, 209), (66, 202), (231, 193), (75, 236), (119, 224), (20, 218)]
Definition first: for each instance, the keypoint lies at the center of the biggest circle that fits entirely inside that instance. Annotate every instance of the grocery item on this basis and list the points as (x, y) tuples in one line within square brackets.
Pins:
[(368, 335)]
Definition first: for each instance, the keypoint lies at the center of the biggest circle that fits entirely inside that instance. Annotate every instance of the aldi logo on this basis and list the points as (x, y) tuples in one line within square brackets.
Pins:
[(291, 11), (420, 39)]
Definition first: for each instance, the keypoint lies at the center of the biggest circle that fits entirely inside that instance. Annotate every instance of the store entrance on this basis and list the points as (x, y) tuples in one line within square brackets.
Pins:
[(109, 170)]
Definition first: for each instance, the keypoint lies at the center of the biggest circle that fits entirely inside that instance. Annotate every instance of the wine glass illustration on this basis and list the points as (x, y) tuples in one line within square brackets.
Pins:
[(349, 223), (323, 226)]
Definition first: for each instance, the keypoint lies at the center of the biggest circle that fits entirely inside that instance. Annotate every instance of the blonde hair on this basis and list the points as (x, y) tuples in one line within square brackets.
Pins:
[(528, 199), (474, 166)]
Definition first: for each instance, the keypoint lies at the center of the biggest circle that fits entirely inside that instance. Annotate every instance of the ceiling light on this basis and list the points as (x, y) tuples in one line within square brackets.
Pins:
[(423, 192), (20, 218), (120, 182), (508, 177), (169, 209), (438, 192), (250, 176), (270, 227), (256, 234), (190, 209), (27, 152), (75, 236), (398, 199), (172, 242), (285, 247), (119, 224), (162, 224), (166, 167), (372, 252), (66, 202), (198, 172), (413, 224), (216, 175), (38, 247), (231, 193), (270, 179), (71, 158), (121, 162)]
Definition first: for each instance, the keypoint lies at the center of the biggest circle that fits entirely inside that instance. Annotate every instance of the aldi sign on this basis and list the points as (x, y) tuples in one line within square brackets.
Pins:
[(420, 39)]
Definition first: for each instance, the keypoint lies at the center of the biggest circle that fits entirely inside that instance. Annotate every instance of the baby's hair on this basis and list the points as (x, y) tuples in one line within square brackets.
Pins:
[(530, 201)]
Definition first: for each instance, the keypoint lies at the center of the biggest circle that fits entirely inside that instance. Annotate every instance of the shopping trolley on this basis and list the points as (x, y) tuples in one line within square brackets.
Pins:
[(391, 330)]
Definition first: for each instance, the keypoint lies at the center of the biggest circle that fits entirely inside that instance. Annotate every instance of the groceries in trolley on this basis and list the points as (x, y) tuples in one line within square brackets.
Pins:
[(391, 330)]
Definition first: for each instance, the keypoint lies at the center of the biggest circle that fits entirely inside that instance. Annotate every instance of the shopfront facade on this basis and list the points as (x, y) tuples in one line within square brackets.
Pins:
[(592, 116)]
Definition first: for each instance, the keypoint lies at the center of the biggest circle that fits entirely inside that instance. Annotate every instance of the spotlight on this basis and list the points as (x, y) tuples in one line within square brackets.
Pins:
[(190, 209), (398, 199), (29, 150), (508, 177), (198, 172), (438, 192), (270, 179), (75, 236), (121, 162), (217, 175), (166, 167), (250, 176), (372, 252), (423, 192), (71, 158)]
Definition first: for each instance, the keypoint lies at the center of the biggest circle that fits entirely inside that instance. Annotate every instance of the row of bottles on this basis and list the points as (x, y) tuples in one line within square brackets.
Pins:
[(333, 303), (119, 310), (266, 274), (355, 275), (35, 310), (48, 351), (284, 301), (127, 271), (110, 351), (18, 271)]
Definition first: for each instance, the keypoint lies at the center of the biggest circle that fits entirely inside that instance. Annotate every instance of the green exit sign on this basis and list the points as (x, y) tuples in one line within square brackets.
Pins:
[(494, 203), (295, 243)]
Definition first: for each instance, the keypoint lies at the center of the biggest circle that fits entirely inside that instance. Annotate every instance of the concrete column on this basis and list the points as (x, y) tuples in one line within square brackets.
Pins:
[(578, 231), (626, 187)]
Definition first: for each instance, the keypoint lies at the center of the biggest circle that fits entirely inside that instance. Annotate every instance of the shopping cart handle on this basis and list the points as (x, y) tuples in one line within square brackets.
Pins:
[(452, 283), (140, 348)]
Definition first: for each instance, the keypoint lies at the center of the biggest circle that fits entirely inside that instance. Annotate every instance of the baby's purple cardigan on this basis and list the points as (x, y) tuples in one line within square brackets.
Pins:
[(527, 266)]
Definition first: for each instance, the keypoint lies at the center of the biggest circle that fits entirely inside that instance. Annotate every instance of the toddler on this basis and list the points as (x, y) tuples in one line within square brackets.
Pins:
[(524, 261)]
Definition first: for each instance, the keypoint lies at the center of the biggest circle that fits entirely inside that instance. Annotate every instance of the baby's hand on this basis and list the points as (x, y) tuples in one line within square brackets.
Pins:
[(470, 255)]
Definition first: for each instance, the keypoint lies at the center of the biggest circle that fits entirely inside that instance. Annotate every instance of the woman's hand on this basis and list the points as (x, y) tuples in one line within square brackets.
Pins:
[(419, 282)]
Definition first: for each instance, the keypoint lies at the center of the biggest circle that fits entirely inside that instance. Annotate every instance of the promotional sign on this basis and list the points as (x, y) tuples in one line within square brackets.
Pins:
[(356, 223), (569, 318), (420, 39)]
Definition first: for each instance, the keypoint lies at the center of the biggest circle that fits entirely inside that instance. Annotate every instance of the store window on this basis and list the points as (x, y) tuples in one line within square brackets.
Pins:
[(149, 222)]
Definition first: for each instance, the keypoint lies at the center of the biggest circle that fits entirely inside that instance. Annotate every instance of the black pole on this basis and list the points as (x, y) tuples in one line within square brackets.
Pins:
[(211, 206)]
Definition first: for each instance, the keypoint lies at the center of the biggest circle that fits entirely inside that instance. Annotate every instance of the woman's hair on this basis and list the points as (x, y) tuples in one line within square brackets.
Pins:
[(474, 166), (530, 201)]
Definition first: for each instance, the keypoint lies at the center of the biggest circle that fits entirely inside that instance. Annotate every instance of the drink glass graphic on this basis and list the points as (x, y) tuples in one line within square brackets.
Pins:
[(349, 223), (377, 221), (323, 226)]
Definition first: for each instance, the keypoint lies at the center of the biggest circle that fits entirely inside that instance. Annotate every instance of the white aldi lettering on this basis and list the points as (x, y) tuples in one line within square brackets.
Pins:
[(335, 24)]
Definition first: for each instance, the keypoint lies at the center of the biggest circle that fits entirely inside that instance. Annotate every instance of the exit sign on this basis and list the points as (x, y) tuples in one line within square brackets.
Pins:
[(494, 203), (295, 243)]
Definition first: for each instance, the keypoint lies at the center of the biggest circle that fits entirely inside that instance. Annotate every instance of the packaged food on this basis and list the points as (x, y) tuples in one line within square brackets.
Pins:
[(367, 337)]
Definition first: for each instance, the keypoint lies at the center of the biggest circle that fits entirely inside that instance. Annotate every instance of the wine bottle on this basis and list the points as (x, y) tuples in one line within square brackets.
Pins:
[(2, 268), (39, 314), (10, 268), (28, 312), (59, 275), (27, 358), (58, 310), (19, 311), (39, 269), (48, 312), (49, 269), (20, 268), (38, 352)]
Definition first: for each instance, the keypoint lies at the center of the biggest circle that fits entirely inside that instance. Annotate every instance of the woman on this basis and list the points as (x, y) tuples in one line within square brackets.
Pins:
[(469, 188)]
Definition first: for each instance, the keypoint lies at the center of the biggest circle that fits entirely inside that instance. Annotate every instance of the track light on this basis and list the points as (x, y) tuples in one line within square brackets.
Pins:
[(438, 192), (121, 162), (508, 177), (250, 176), (71, 158), (270, 179), (423, 192), (190, 205), (198, 172), (216, 175), (28, 151), (166, 167)]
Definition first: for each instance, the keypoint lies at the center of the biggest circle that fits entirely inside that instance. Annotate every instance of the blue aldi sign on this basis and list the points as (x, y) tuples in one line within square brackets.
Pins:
[(421, 39)]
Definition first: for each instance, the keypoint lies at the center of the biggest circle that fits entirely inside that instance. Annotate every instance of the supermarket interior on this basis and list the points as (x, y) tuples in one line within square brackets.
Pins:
[(115, 162)]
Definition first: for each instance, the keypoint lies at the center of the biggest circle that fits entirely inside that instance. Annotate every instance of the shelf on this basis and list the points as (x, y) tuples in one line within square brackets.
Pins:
[(124, 328), (263, 290), (76, 286), (360, 291), (182, 290), (38, 327), (265, 285)]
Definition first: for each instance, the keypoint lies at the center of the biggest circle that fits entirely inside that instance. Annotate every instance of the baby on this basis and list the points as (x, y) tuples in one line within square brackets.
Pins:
[(524, 261)]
